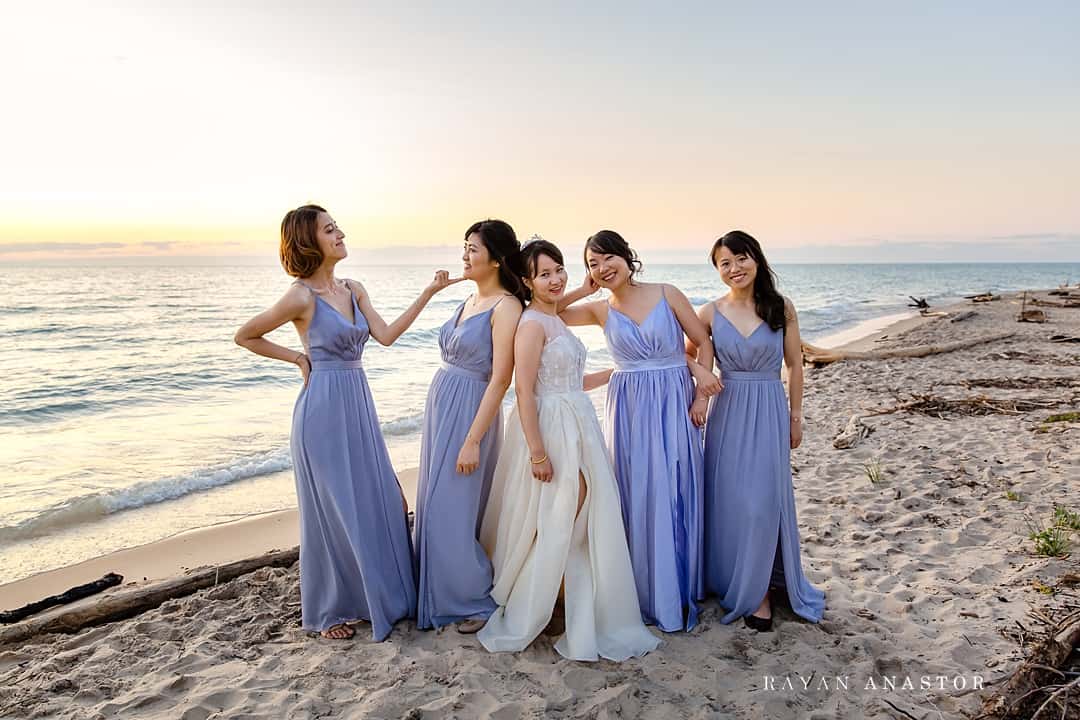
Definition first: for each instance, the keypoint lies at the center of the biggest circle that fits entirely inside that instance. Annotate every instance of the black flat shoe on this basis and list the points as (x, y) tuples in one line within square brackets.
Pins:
[(758, 623)]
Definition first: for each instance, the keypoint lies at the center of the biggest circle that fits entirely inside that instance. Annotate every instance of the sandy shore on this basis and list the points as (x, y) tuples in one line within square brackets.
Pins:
[(927, 571), (173, 556)]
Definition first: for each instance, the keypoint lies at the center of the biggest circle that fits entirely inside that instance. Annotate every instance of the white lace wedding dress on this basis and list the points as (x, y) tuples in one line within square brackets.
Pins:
[(533, 537)]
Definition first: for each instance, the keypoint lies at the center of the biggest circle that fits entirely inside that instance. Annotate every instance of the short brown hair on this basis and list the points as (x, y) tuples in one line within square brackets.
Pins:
[(299, 250)]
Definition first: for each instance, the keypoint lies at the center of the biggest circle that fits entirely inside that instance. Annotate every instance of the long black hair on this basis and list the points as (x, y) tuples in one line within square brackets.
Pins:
[(768, 302), (609, 242), (503, 247)]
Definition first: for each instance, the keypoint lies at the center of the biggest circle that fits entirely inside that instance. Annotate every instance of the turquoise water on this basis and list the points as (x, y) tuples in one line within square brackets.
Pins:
[(129, 414)]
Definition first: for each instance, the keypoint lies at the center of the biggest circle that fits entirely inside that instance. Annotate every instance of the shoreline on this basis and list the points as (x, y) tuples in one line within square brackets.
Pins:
[(866, 332), (177, 554)]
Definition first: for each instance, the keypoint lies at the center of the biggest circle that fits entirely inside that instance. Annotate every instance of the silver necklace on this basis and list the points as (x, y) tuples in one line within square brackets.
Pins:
[(332, 290)]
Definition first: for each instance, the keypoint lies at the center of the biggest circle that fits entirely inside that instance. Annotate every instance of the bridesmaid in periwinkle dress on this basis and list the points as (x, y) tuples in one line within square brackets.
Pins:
[(355, 555), (751, 532), (655, 447), (462, 433)]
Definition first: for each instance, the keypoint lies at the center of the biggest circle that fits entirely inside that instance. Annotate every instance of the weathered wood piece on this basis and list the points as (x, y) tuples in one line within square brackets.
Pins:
[(823, 356), (129, 602)]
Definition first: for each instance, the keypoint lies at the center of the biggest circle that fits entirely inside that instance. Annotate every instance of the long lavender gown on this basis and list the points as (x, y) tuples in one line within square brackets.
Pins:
[(453, 571), (751, 533), (355, 556), (657, 455)]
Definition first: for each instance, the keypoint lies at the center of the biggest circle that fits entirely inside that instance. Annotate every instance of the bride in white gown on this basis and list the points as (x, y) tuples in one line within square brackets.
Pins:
[(553, 518)]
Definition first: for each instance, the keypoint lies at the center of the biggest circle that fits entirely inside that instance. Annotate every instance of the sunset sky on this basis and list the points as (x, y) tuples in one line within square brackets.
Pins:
[(185, 129)]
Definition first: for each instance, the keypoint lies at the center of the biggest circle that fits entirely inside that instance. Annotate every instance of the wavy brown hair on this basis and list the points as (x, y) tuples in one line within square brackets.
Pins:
[(299, 249)]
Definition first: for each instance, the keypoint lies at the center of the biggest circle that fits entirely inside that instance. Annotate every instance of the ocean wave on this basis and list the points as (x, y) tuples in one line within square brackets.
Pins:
[(818, 323), (428, 337), (405, 426), (88, 508), (44, 329), (75, 394), (17, 416), (91, 507)]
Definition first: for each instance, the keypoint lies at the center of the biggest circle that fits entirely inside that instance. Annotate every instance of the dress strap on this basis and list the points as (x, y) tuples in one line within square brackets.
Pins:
[(501, 298)]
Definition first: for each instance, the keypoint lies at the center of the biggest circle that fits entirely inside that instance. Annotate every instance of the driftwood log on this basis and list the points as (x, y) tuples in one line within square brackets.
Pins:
[(1025, 692), (1068, 303), (823, 356), (126, 603), (960, 317), (78, 592)]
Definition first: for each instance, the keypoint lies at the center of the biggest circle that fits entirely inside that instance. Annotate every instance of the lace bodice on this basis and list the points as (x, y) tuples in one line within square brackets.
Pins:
[(562, 362)]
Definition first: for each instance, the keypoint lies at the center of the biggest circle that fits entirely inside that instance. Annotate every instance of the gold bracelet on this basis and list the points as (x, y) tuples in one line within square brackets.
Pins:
[(538, 462), (296, 360)]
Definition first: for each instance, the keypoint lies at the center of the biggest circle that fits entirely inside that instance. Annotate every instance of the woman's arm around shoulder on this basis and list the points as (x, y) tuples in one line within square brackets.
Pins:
[(590, 313)]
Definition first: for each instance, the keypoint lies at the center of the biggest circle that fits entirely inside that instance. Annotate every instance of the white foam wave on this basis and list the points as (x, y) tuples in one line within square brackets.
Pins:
[(87, 508)]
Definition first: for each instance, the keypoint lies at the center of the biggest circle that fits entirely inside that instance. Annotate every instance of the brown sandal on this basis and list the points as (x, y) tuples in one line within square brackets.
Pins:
[(341, 631), (468, 627)]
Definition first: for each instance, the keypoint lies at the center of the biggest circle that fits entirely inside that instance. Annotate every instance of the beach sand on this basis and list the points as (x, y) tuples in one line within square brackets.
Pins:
[(927, 573)]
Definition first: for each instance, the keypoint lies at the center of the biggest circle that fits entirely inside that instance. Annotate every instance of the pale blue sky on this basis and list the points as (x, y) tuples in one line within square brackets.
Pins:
[(837, 124)]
